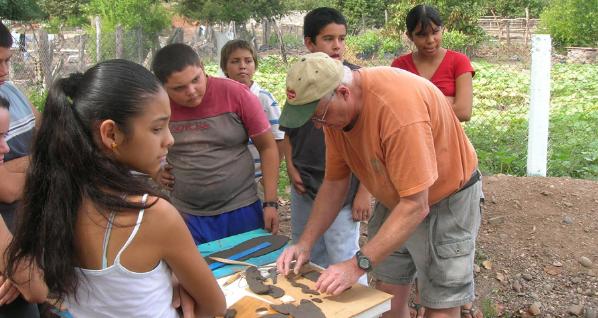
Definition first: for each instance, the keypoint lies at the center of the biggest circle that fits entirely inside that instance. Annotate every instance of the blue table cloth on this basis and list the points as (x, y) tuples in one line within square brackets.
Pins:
[(226, 243)]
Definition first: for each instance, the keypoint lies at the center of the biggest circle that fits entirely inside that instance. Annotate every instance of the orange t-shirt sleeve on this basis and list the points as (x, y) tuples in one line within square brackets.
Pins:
[(336, 166), (411, 159)]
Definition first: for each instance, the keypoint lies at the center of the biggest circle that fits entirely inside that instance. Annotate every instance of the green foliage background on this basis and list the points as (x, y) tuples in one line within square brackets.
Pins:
[(149, 16), (572, 22), (20, 10)]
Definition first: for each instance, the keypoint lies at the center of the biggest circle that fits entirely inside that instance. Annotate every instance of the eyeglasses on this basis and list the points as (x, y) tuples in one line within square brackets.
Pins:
[(322, 119)]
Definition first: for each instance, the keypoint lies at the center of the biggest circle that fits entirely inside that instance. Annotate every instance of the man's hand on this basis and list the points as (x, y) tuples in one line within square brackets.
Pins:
[(339, 277), (271, 219), (298, 252), (8, 291), (165, 177), (362, 206), (295, 179)]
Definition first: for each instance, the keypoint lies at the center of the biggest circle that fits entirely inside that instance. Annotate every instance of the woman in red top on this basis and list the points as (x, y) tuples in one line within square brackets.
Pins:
[(450, 71)]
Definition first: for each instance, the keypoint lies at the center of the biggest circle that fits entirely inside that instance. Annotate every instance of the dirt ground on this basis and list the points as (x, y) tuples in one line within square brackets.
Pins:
[(537, 250)]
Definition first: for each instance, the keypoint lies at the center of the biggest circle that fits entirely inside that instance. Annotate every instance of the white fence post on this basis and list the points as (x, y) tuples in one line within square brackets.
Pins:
[(537, 147)]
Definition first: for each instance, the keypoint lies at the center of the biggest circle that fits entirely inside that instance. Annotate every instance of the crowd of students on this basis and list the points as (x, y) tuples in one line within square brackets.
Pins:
[(94, 238)]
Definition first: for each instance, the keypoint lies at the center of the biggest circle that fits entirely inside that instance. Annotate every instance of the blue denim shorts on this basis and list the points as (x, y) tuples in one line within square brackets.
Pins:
[(441, 250)]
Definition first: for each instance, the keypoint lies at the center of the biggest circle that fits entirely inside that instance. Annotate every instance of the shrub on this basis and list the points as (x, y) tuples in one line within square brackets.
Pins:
[(571, 23), (147, 15), (373, 43), (455, 40), (37, 97)]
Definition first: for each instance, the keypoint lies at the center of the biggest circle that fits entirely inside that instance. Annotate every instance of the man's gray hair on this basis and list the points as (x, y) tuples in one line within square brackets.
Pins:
[(347, 76)]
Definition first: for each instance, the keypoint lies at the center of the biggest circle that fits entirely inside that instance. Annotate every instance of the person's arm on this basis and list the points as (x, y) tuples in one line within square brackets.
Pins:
[(280, 146), (292, 172), (462, 104), (327, 205), (266, 146), (180, 253), (11, 184), (362, 204), (400, 224), (27, 278)]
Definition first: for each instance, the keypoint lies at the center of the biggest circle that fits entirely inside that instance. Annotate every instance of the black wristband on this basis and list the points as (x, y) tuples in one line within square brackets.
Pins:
[(270, 204)]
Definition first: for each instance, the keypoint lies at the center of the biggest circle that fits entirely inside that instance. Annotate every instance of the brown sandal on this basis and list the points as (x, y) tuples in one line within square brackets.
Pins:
[(472, 312), (416, 310)]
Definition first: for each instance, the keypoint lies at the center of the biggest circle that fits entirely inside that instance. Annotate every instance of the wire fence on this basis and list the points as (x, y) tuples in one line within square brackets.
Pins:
[(498, 128)]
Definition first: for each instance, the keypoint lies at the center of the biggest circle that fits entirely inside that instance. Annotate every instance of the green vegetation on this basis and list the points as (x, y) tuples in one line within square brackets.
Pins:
[(515, 8), (149, 16), (20, 10), (498, 129), (37, 97), (374, 43), (571, 22)]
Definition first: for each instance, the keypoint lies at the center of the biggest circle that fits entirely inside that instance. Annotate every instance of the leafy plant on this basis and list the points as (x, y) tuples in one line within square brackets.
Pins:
[(363, 14), (149, 16), (515, 8), (373, 43), (455, 40), (571, 22), (23, 10), (37, 97)]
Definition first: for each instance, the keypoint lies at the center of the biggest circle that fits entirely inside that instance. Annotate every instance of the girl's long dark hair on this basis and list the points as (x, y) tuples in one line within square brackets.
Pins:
[(67, 164)]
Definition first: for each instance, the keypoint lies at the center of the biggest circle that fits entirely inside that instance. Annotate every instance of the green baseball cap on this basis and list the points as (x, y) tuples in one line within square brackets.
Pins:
[(308, 80)]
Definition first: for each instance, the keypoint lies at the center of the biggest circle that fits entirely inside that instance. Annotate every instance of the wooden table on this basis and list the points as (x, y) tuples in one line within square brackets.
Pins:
[(359, 301)]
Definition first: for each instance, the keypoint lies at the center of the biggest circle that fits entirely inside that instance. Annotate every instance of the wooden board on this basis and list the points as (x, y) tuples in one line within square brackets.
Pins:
[(247, 307), (350, 303)]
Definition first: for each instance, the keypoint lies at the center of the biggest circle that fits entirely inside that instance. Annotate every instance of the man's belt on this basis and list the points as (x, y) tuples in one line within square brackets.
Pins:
[(475, 177)]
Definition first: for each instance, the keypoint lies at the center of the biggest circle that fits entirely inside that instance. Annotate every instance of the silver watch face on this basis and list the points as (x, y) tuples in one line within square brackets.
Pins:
[(364, 263)]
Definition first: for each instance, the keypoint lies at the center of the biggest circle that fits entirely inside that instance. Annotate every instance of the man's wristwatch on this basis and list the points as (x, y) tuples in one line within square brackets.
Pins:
[(270, 204), (363, 261)]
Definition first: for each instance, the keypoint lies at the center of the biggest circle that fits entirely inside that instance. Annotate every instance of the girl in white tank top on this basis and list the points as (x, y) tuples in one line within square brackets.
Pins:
[(109, 243)]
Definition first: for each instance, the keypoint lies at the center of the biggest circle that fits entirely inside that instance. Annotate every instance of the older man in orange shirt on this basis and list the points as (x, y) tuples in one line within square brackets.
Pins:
[(398, 135)]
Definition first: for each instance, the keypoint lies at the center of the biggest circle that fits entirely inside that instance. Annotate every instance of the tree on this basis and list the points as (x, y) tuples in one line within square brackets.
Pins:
[(149, 15), (21, 10), (140, 22), (307, 5), (571, 22), (63, 9), (515, 8), (215, 11), (223, 11), (64, 12), (362, 14)]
